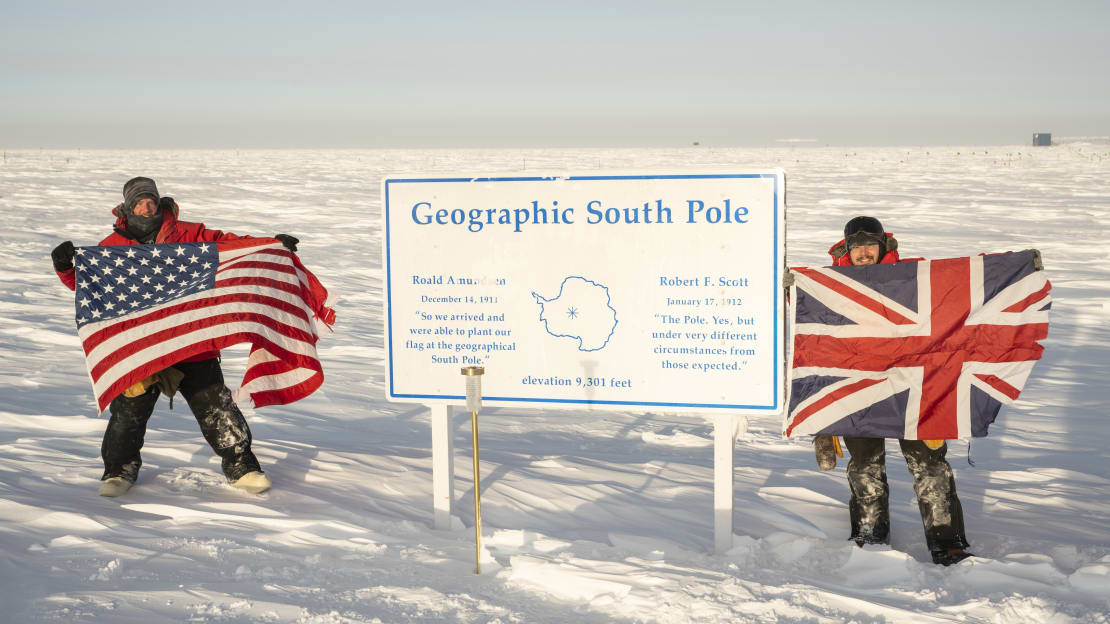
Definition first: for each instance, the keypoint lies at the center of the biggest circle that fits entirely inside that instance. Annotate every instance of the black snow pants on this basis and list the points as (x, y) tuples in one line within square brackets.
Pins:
[(219, 418), (933, 482)]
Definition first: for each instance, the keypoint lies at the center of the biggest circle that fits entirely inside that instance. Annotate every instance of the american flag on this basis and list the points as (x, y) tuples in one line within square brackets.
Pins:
[(142, 308), (925, 350)]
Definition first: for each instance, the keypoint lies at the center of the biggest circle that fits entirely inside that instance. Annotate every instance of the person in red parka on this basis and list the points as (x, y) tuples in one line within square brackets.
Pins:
[(145, 218), (866, 242)]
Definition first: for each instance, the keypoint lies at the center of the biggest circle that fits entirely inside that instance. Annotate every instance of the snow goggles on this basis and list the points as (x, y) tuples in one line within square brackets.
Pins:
[(860, 239)]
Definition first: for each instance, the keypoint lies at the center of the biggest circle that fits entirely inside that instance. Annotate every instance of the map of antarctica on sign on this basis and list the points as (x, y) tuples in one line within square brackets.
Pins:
[(607, 291), (581, 311)]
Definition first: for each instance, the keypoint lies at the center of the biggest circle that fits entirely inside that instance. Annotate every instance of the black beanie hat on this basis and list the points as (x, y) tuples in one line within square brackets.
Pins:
[(865, 231), (136, 189)]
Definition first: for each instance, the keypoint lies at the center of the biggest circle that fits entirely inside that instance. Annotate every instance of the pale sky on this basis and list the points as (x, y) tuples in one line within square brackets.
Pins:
[(549, 74)]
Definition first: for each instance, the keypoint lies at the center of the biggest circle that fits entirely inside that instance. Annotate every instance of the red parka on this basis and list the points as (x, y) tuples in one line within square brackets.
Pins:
[(172, 231)]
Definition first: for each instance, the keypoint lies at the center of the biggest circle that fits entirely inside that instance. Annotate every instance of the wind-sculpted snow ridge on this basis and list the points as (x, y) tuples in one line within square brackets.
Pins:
[(588, 517)]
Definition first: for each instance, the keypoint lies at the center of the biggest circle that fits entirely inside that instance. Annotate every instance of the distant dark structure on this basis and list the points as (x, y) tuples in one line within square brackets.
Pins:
[(1042, 139)]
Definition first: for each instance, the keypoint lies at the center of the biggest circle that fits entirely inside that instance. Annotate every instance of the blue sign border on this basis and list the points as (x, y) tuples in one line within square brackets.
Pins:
[(776, 388)]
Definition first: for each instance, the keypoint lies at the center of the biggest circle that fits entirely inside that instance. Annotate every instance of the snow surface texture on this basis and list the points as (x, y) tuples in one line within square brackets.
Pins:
[(588, 517)]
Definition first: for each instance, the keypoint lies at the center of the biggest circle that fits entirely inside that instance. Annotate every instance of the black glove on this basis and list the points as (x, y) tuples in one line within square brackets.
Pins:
[(63, 257), (290, 242)]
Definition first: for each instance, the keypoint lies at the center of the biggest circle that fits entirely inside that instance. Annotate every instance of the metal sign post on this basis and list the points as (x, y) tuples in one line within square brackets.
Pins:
[(473, 376)]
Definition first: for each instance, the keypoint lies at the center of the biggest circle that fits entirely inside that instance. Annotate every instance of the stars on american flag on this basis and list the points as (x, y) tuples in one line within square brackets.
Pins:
[(116, 280)]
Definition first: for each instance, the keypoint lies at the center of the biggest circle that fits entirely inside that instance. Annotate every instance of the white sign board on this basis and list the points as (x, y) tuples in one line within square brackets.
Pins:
[(619, 291)]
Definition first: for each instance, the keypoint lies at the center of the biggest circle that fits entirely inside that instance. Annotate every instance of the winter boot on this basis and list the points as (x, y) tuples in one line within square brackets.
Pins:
[(950, 556), (867, 534), (253, 482), (114, 486)]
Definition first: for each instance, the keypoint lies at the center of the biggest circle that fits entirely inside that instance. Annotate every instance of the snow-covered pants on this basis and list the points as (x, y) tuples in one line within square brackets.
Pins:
[(219, 418), (933, 482)]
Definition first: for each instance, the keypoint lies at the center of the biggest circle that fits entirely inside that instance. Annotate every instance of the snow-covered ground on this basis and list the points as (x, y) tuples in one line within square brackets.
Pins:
[(587, 517)]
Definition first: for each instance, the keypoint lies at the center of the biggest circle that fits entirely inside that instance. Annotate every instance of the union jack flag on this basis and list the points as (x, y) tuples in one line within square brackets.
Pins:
[(143, 308), (925, 350)]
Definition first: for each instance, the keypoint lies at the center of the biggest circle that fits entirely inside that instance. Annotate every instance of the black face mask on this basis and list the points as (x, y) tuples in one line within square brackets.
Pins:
[(144, 229)]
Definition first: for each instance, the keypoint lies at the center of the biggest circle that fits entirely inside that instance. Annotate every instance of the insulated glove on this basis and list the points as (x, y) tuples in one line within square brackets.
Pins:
[(290, 242), (1037, 264), (827, 448), (139, 387), (63, 257)]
